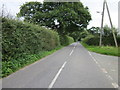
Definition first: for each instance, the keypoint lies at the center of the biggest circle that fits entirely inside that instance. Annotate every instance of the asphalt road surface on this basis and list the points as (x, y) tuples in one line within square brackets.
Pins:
[(70, 67)]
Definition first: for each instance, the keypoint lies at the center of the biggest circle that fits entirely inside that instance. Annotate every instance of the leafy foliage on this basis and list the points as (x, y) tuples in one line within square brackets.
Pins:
[(22, 38), (91, 40), (108, 31), (79, 35), (76, 35), (94, 31), (9, 67), (66, 40), (94, 40), (65, 17), (107, 36), (24, 43)]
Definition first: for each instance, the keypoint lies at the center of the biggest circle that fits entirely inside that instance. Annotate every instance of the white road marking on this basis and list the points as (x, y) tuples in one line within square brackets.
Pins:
[(115, 85), (55, 78), (71, 53), (92, 57), (97, 62), (58, 73), (104, 70), (72, 50), (109, 77)]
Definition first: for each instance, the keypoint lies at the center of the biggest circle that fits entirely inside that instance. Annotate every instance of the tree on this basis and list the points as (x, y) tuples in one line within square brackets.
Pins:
[(94, 30), (78, 35), (108, 31), (65, 17)]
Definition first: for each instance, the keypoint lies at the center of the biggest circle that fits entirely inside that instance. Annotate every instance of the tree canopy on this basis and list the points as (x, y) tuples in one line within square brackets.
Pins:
[(65, 17), (107, 31), (94, 30)]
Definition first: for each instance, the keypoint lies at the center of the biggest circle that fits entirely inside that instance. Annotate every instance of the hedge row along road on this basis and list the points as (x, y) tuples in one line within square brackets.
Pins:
[(24, 43), (71, 67)]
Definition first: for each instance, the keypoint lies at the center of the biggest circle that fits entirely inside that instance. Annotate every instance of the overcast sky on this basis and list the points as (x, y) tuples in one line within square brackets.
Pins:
[(12, 6)]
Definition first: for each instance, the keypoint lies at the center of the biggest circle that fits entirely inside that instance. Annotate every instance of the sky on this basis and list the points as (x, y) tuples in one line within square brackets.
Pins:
[(12, 7)]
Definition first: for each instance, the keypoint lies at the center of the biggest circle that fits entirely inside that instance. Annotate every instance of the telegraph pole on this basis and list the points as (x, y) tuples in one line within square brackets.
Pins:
[(2, 10), (113, 31), (101, 30)]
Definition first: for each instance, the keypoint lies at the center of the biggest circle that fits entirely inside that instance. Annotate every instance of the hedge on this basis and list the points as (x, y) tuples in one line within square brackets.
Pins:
[(106, 41), (20, 39), (66, 40), (91, 40)]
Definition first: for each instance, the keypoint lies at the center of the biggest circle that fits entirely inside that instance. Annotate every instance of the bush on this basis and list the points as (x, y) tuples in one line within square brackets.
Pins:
[(91, 40), (118, 40), (106, 41), (22, 38), (24, 43), (66, 40), (11, 66), (109, 41)]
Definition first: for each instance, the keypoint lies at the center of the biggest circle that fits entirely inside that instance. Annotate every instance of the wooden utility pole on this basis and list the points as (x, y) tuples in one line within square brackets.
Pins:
[(2, 10), (101, 30), (113, 31)]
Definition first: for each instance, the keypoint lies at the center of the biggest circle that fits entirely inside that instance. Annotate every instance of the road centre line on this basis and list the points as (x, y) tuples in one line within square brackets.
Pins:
[(56, 76), (58, 73), (72, 50), (71, 53)]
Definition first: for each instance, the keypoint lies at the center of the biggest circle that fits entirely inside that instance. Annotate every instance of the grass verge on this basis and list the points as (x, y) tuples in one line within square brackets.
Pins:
[(12, 66), (107, 50)]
